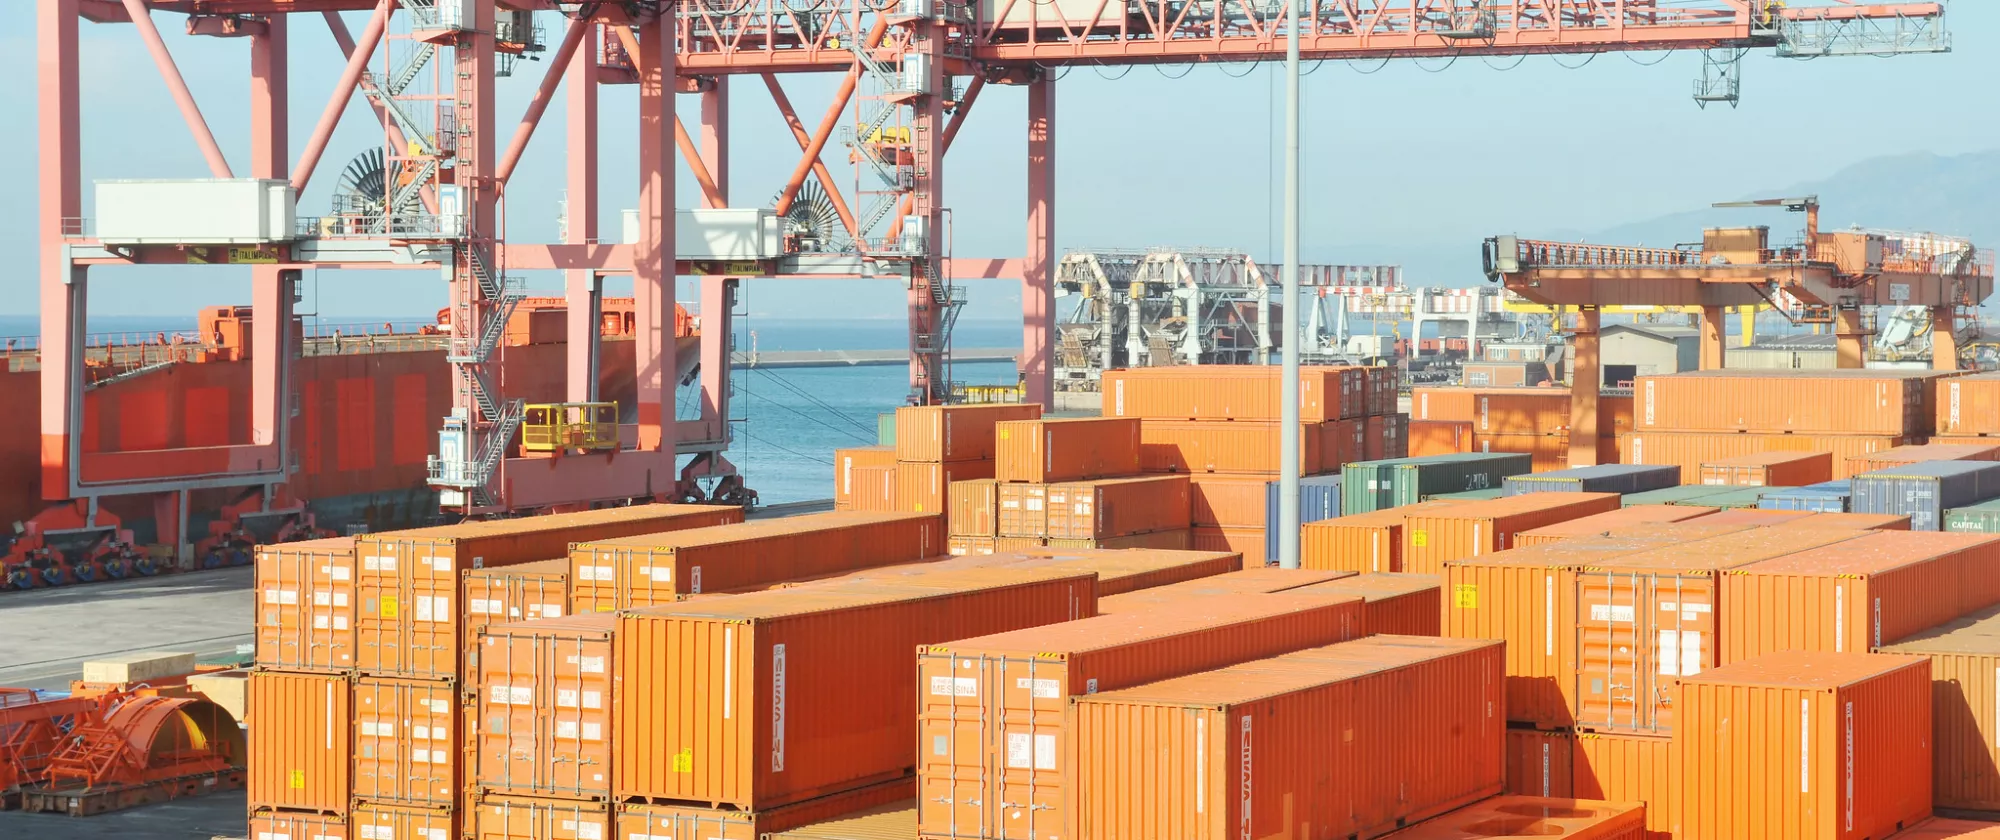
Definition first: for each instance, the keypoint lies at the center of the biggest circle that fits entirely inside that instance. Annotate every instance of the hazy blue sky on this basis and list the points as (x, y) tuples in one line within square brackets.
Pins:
[(1415, 157)]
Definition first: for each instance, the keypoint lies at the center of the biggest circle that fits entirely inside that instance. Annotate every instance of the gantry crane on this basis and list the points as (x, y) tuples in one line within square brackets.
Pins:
[(917, 66), (1832, 276)]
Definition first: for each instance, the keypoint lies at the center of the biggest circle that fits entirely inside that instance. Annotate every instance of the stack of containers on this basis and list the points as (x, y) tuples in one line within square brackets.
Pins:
[(1370, 486), (1528, 421), (1219, 424), (1071, 483), (1924, 491), (1981, 518), (870, 490), (1432, 538), (1902, 455), (1689, 419), (940, 444), (1361, 542), (354, 707)]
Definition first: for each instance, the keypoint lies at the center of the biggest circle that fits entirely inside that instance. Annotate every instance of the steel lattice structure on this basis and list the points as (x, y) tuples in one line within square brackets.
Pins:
[(918, 68)]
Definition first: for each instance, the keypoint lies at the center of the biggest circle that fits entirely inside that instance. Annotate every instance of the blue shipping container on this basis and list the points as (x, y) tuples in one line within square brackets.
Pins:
[(1824, 497), (1319, 498), (1924, 490)]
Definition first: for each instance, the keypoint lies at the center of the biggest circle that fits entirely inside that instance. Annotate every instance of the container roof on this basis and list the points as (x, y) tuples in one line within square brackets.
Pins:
[(1108, 631), (1805, 669), (1869, 553)]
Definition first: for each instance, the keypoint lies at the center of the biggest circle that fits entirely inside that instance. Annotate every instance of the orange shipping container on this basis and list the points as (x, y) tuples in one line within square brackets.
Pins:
[(1227, 501), (1118, 570), (1969, 405), (1017, 544), (874, 490), (1248, 542), (1179, 539), (975, 508), (1024, 510), (935, 433), (1850, 522), (1231, 392), (305, 605), (1472, 529), (271, 825), (408, 624), (529, 818), (1856, 595), (1117, 507), (1689, 450), (659, 568), (1600, 524), (1244, 446), (1394, 604), (844, 462), (1631, 768), (1807, 745), (897, 821), (543, 696), (1539, 762), (402, 821), (963, 546), (1495, 411), (1769, 469), (406, 745), (1073, 449), (1410, 726), (1253, 581), (1439, 437), (1573, 819), (922, 487), (1965, 703), (1645, 618), (1903, 455), (1361, 542), (992, 706), (511, 593), (1827, 402), (770, 698), (1742, 518), (662, 822), (1355, 440), (300, 742)]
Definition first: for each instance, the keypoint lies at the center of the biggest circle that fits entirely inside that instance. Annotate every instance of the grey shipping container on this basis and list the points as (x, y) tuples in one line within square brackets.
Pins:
[(1824, 497), (1925, 490), (1604, 478), (1685, 494), (1319, 498), (1982, 518), (1368, 486)]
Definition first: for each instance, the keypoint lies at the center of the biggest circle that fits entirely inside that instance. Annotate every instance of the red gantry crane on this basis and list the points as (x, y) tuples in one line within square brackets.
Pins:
[(910, 71)]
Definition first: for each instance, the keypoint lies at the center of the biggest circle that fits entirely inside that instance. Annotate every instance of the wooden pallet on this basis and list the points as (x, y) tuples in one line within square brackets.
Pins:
[(84, 802)]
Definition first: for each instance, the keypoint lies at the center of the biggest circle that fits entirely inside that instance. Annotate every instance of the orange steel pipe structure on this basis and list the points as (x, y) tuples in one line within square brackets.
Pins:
[(898, 71)]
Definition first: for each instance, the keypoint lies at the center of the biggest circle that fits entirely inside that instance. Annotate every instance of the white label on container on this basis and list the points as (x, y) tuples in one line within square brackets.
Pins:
[(424, 609), (420, 732), (340, 622), (1090, 686), (521, 695), (1954, 405), (694, 580), (1039, 689), (566, 730), (1805, 745), (729, 672), (662, 574), (344, 573), (322, 598), (1034, 503), (1849, 764), (340, 599), (1621, 613), (477, 606), (589, 831), (593, 699), (955, 686), (438, 707), (1020, 749), (777, 708), (552, 610), (1244, 808), (566, 698), (593, 731), (1549, 615), (1200, 764), (497, 695), (1878, 622), (420, 756), (1839, 618), (288, 597), (368, 833), (591, 664), (436, 834), (443, 564), (369, 729), (320, 622), (1649, 415)]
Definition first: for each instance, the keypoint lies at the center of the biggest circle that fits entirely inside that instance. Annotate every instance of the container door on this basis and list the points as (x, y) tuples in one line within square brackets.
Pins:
[(956, 707), (1029, 796), (1612, 649), (1683, 638)]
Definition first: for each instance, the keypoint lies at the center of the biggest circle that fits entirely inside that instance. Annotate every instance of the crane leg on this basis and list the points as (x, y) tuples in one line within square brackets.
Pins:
[(1944, 339), (1584, 378), (1712, 329), (1850, 343)]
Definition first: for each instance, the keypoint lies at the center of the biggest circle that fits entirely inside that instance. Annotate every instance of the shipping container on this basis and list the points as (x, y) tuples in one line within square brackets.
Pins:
[(510, 593), (1824, 497), (992, 706), (1260, 580), (1685, 494), (1545, 453), (1179, 539), (305, 605), (1129, 570), (1832, 402), (772, 698), (543, 696), (301, 746), (398, 822), (1383, 436), (290, 825), (1374, 485), (1522, 375), (501, 817), (1965, 702), (1850, 761), (844, 462), (887, 822), (1770, 469), (875, 490), (1644, 619), (1696, 529), (1383, 386), (1394, 604), (1024, 510), (1539, 762), (1439, 437), (1243, 446), (885, 429), (1350, 440), (938, 433), (1117, 507), (1319, 499), (1689, 450), (921, 487), (1017, 544), (406, 744), (1856, 595), (1070, 449), (1248, 542), (1982, 518), (1923, 491), (1630, 768), (1913, 454), (963, 546), (1226, 501), (1526, 816), (1849, 522), (1755, 517), (1969, 405), (1471, 495), (1635, 517), (1360, 542), (1735, 498), (1604, 478), (666, 822), (1434, 537), (1354, 739), (1231, 392), (975, 508), (614, 574), (408, 621)]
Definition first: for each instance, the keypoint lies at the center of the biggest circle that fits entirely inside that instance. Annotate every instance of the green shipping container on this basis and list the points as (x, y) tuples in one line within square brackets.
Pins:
[(1982, 518), (1368, 486), (885, 429), (1686, 494)]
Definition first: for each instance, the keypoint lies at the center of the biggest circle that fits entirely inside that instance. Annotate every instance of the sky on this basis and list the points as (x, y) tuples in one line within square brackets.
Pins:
[(1401, 159)]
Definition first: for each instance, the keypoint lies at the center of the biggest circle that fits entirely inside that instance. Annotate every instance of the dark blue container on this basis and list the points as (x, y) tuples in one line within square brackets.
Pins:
[(1924, 490), (1824, 497), (1604, 478), (1319, 498)]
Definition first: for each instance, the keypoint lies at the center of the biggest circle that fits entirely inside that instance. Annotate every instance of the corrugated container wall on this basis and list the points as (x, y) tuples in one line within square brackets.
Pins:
[(271, 825), (1839, 402), (1769, 469), (1857, 595), (1924, 491), (1024, 510), (1631, 768), (1434, 537), (406, 742), (1600, 524), (543, 695), (874, 490), (1439, 437), (1394, 604), (1969, 405), (300, 747), (888, 822), (525, 592), (1539, 762), (844, 462), (1094, 510), (1244, 446), (1231, 392), (1824, 497), (1260, 580), (1374, 485), (1965, 704), (1604, 478), (923, 487), (306, 597), (1227, 501), (1319, 499), (1689, 450), (498, 817), (975, 508), (647, 822), (937, 433), (1901, 455), (1074, 449), (403, 821), (1361, 542)]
